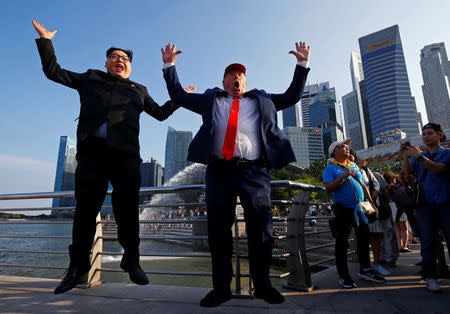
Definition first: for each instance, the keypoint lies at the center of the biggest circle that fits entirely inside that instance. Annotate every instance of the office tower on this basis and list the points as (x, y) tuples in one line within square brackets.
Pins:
[(436, 85), (388, 92), (353, 120), (291, 116), (177, 144), (307, 144), (151, 175), (65, 172), (65, 176), (325, 112), (365, 105), (356, 129), (309, 92)]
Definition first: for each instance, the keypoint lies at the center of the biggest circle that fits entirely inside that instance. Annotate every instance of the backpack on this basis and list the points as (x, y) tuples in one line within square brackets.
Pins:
[(404, 197)]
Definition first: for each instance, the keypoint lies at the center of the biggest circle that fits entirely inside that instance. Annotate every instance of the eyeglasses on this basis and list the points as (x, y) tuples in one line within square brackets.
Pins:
[(342, 146), (117, 57)]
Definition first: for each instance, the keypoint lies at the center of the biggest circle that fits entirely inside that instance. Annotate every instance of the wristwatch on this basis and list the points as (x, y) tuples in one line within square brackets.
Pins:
[(420, 158)]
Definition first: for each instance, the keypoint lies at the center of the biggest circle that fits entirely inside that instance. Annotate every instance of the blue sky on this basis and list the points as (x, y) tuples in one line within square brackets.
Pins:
[(35, 112)]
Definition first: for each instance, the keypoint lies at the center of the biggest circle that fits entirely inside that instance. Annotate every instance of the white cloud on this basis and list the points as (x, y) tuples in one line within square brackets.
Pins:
[(25, 175)]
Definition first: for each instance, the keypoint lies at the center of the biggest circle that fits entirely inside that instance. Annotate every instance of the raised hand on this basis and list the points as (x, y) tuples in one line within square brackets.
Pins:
[(43, 33), (169, 54), (302, 51), (190, 89)]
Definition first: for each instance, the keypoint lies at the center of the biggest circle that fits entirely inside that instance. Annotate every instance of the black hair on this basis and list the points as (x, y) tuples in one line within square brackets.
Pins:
[(353, 153), (129, 53)]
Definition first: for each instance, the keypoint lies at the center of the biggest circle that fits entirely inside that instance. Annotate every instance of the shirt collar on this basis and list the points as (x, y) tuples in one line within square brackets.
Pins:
[(438, 150), (347, 163)]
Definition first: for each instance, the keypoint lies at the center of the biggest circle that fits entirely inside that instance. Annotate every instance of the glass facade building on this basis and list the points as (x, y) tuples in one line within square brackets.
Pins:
[(353, 119), (151, 175), (388, 91), (65, 175), (65, 172), (177, 144), (309, 92), (436, 83), (325, 112), (291, 116)]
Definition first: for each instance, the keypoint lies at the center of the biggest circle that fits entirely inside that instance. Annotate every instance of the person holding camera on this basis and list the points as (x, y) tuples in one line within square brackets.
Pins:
[(431, 169), (344, 179)]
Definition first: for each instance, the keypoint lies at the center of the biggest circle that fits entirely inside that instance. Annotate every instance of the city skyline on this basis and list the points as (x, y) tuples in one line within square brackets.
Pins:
[(35, 111)]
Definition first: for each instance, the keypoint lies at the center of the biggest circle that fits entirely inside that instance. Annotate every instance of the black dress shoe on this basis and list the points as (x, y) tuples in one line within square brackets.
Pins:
[(270, 295), (136, 274), (215, 298), (72, 278)]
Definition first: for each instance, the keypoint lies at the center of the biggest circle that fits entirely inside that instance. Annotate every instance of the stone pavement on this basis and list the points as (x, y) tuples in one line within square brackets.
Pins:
[(404, 292)]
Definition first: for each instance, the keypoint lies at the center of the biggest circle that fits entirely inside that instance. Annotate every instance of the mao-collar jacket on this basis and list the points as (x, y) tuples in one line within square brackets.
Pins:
[(105, 98)]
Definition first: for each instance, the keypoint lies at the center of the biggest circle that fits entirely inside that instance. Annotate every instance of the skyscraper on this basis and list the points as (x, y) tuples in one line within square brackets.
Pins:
[(291, 116), (309, 92), (325, 112), (357, 129), (353, 120), (177, 144), (389, 97), (365, 105), (151, 175), (65, 172), (65, 175), (436, 83), (306, 143)]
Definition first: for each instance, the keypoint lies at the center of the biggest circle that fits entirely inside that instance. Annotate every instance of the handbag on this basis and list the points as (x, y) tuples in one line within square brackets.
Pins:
[(368, 207), (418, 188)]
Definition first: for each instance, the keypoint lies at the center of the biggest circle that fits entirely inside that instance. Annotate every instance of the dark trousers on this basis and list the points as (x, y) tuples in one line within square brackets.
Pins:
[(345, 220), (252, 184), (431, 218), (98, 164)]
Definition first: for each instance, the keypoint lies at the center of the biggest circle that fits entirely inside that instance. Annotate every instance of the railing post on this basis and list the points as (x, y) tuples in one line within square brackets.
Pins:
[(238, 256), (94, 275), (300, 274)]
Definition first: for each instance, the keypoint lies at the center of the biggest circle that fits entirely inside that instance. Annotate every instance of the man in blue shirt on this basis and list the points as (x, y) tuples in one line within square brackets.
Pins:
[(341, 178), (432, 168)]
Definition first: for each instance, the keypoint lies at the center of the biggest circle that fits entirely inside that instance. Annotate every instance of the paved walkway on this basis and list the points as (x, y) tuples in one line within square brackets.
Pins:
[(404, 292)]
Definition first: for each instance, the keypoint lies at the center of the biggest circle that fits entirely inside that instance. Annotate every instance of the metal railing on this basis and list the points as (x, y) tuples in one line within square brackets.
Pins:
[(298, 270)]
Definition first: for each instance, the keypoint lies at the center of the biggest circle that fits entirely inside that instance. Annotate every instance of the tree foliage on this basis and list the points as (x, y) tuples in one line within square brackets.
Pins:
[(312, 175)]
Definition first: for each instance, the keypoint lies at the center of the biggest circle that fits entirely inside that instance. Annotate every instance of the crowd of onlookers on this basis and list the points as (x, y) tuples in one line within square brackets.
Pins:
[(388, 211)]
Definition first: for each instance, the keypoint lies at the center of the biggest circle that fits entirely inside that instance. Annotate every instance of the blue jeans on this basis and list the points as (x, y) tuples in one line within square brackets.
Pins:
[(431, 218)]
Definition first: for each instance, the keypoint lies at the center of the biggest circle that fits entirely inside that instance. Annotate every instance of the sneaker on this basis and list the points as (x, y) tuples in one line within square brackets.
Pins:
[(370, 275), (432, 285), (347, 282), (380, 270)]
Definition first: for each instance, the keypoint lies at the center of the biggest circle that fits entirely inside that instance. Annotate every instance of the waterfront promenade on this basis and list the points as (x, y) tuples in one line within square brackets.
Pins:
[(404, 292)]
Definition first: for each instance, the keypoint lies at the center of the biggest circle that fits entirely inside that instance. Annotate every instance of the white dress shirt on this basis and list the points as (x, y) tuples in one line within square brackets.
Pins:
[(248, 136)]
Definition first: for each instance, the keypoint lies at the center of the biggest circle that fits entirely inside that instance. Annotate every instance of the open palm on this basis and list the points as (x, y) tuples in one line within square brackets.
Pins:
[(43, 33), (302, 51)]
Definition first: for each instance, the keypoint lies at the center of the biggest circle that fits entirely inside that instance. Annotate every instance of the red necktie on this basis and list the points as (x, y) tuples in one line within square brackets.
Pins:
[(229, 143)]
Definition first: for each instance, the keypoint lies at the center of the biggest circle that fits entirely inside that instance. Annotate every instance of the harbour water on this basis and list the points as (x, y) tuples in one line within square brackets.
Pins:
[(179, 264)]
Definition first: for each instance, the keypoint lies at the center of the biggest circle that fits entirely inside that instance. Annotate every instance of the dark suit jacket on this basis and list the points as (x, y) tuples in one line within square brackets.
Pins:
[(105, 98), (276, 146)]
